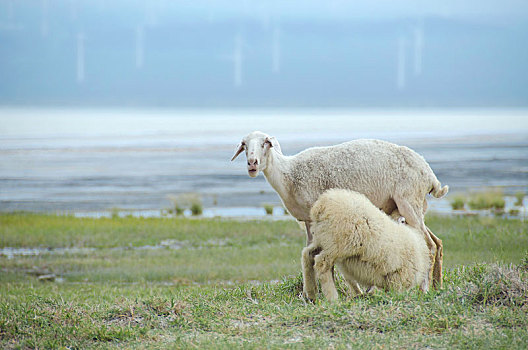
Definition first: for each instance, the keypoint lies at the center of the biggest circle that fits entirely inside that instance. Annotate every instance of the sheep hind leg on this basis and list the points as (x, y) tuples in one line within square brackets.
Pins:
[(414, 217), (323, 266), (439, 258), (307, 262)]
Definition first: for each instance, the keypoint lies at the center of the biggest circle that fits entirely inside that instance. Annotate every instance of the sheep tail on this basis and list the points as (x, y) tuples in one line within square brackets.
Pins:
[(438, 191)]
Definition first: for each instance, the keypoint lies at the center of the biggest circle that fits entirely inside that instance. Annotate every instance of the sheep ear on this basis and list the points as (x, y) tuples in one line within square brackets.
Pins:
[(239, 150), (272, 141)]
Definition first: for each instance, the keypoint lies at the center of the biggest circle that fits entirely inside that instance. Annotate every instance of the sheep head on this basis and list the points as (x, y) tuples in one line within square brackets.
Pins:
[(396, 216), (257, 146)]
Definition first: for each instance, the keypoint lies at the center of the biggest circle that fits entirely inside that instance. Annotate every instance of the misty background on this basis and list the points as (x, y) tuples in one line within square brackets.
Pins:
[(216, 53)]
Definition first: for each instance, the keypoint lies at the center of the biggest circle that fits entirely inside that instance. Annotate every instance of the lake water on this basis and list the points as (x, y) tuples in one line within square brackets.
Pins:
[(92, 160)]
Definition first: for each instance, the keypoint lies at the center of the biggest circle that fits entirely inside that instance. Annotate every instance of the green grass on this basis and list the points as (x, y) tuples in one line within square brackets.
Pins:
[(218, 289), (36, 230)]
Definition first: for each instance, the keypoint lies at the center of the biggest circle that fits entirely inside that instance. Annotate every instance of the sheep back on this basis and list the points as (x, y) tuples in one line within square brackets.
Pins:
[(378, 169)]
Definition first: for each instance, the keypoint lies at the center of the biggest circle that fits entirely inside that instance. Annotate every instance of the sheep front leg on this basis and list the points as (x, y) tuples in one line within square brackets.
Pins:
[(353, 286), (309, 236), (424, 286), (309, 283), (323, 267)]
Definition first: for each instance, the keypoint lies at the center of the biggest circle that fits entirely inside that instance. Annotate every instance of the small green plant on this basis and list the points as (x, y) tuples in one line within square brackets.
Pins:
[(487, 200), (269, 209), (519, 197), (195, 203), (179, 210), (114, 213), (177, 207), (184, 201), (458, 202)]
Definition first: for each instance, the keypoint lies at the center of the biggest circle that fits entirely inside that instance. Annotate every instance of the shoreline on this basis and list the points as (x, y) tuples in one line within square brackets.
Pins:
[(441, 207)]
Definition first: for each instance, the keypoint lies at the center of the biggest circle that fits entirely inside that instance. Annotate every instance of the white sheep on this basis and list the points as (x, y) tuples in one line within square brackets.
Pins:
[(365, 244), (391, 176)]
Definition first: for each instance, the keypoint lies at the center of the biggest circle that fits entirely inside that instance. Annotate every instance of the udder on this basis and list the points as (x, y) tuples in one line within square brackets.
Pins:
[(388, 206)]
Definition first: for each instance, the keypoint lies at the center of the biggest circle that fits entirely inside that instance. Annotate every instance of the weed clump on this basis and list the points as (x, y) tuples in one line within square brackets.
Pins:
[(487, 200), (269, 209), (196, 208), (178, 210), (177, 204), (519, 197), (524, 262), (191, 201), (114, 213), (292, 285), (458, 202), (496, 285)]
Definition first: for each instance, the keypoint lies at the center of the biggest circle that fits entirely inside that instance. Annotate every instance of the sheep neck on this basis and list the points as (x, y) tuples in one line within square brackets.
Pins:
[(275, 172)]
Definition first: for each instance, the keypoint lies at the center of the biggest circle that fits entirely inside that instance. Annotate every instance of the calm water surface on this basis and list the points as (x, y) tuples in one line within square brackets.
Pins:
[(78, 159)]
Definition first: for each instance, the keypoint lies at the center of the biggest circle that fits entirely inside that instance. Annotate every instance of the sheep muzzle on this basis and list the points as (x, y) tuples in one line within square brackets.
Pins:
[(253, 167)]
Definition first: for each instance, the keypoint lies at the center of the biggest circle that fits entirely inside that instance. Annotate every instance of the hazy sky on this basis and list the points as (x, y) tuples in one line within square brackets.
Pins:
[(280, 9), (264, 53), (363, 8), (328, 9)]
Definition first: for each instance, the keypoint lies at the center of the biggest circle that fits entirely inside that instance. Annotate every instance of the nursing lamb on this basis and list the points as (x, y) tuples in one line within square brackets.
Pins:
[(365, 244)]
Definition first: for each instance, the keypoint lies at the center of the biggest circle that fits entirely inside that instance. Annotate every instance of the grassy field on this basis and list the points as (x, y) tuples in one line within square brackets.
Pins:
[(211, 283)]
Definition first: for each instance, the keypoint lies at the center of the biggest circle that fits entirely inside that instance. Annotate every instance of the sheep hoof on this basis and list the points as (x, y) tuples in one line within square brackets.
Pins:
[(307, 298)]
